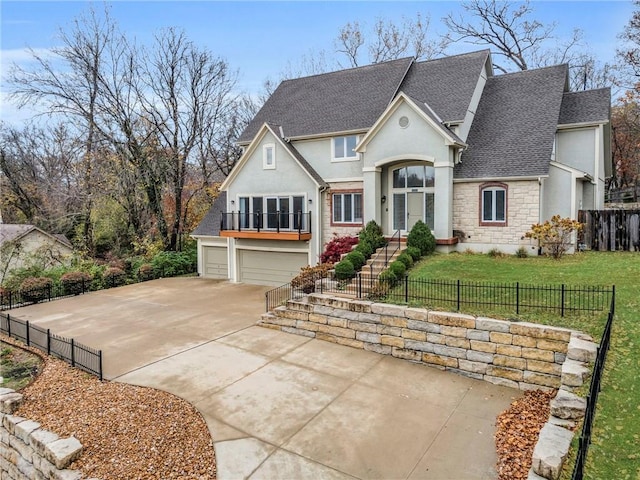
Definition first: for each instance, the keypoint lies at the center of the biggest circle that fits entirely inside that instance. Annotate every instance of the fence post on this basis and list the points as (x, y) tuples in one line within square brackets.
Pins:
[(562, 301), (458, 301), (9, 324), (49, 294), (406, 288), (359, 285), (48, 341), (73, 354), (27, 324), (517, 298), (100, 363)]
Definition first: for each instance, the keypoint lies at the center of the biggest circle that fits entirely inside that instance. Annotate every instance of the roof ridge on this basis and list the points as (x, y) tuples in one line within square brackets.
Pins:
[(342, 70), (588, 90), (533, 70), (447, 57)]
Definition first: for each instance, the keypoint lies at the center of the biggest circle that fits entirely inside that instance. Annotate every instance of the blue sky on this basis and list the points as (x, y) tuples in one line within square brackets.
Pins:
[(261, 38)]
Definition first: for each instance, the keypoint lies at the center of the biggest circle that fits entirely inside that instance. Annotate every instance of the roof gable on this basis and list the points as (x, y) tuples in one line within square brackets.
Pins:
[(13, 232), (514, 128), (424, 110), (290, 149), (210, 223)]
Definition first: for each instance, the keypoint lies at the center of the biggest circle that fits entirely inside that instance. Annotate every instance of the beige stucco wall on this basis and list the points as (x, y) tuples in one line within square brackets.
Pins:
[(523, 200)]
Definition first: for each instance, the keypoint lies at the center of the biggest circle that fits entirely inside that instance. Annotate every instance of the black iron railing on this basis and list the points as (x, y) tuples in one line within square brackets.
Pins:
[(278, 221), (457, 294), (594, 390), (67, 349)]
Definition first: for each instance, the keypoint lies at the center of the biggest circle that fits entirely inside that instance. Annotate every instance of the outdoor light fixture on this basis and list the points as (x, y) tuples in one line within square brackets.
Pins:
[(384, 198), (310, 201), (233, 202)]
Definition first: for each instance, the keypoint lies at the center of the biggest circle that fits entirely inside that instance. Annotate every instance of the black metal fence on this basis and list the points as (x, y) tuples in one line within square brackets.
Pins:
[(594, 390), (13, 299), (67, 349), (610, 230), (456, 294)]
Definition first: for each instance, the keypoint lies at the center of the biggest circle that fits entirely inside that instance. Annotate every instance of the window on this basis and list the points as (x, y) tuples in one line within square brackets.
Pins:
[(272, 212), (347, 208), (421, 176), (493, 204), (344, 148), (269, 156)]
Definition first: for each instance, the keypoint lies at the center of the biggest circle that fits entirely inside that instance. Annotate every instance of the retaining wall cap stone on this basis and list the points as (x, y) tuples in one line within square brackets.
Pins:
[(4, 391), (574, 373), (551, 451), (568, 405), (64, 451), (582, 350)]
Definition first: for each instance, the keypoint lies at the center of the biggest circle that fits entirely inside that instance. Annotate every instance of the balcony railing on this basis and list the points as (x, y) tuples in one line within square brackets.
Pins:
[(274, 225)]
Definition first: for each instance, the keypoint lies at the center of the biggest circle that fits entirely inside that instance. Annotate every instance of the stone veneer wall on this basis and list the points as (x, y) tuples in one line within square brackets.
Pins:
[(515, 354), (523, 204), (28, 452), (328, 230)]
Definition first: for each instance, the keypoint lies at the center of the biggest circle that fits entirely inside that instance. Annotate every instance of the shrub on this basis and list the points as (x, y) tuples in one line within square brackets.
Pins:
[(356, 258), (554, 235), (345, 270), (366, 248), (306, 279), (386, 280), (398, 269), (35, 289), (405, 258), (146, 271), (74, 283), (114, 276), (372, 232), (335, 248), (414, 252), (421, 237), (495, 253), (521, 253), (171, 264)]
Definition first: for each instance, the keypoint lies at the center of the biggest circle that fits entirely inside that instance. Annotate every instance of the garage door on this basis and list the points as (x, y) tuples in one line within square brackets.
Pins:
[(270, 268), (215, 262)]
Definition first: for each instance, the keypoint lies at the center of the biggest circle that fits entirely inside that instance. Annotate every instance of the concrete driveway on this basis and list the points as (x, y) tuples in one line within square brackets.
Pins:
[(279, 405)]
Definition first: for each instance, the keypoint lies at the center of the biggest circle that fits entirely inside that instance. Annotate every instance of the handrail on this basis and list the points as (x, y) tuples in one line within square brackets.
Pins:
[(386, 254), (275, 221)]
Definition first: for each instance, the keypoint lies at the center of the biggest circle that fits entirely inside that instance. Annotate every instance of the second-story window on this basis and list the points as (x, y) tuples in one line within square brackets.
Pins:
[(269, 156), (344, 148)]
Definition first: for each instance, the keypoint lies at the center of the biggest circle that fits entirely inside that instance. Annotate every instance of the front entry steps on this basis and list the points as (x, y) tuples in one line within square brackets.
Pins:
[(373, 268)]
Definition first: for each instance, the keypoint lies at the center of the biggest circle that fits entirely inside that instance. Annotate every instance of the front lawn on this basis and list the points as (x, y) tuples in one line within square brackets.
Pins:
[(614, 451)]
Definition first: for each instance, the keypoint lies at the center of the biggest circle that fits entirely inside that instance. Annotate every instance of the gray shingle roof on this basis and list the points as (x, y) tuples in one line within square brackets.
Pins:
[(446, 84), (340, 101), (210, 223), (428, 111), (586, 106), (514, 128), (15, 231)]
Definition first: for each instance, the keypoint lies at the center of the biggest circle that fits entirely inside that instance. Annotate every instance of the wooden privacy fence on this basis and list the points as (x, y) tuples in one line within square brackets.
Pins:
[(610, 230)]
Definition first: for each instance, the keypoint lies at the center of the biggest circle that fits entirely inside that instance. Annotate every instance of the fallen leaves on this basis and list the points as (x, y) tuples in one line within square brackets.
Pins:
[(127, 432), (517, 431)]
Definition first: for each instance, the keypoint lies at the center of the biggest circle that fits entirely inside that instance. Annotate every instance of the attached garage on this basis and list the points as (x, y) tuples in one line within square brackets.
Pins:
[(215, 262), (270, 268)]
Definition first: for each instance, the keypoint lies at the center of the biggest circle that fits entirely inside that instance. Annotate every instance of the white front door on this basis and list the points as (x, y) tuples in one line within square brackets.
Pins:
[(415, 208)]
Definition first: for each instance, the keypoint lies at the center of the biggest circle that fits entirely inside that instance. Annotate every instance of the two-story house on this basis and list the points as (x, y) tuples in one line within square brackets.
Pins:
[(478, 157)]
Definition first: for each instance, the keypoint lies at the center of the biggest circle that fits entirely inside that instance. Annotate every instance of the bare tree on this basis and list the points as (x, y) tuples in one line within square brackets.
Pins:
[(629, 54), (388, 41)]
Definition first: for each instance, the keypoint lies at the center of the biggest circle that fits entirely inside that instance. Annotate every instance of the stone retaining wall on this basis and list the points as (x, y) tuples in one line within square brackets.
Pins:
[(28, 452), (514, 354)]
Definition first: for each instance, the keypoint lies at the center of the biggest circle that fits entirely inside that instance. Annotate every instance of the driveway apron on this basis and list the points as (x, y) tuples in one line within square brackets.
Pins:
[(280, 405)]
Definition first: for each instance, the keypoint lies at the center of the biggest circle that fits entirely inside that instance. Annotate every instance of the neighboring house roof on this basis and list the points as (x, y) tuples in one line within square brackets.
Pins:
[(210, 224), (446, 84), (588, 106), (339, 101), (514, 128), (15, 231)]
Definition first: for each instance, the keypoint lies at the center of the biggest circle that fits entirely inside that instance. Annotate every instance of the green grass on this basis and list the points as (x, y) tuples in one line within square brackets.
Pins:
[(615, 448), (18, 367)]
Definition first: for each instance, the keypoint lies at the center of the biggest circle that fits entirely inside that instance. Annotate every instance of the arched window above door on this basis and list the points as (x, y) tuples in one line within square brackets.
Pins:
[(416, 176)]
